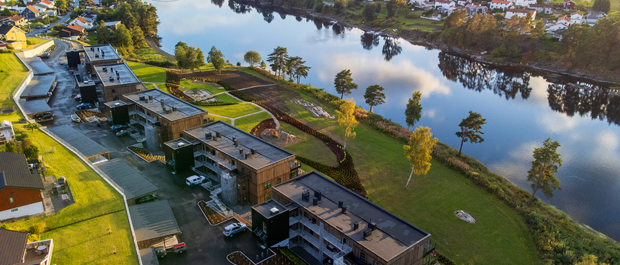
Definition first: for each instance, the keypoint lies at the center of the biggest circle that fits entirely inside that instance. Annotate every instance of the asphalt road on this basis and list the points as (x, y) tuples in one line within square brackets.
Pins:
[(206, 244)]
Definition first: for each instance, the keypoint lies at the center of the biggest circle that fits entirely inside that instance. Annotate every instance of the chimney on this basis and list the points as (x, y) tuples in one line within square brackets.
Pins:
[(218, 134), (174, 108), (207, 135), (317, 195), (150, 97), (162, 103), (305, 196), (240, 151), (367, 233), (245, 156)]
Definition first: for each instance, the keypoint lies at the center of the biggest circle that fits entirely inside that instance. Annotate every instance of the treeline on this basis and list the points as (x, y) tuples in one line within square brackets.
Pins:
[(588, 48), (139, 20)]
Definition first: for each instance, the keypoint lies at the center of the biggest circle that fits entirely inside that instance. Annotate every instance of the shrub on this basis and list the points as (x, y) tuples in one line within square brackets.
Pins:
[(216, 103)]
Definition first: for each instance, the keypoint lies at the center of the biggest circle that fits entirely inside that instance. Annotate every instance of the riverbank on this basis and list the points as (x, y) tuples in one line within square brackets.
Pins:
[(418, 37)]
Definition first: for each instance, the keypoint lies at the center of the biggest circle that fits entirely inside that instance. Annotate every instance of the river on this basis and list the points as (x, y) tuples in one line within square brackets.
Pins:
[(520, 108)]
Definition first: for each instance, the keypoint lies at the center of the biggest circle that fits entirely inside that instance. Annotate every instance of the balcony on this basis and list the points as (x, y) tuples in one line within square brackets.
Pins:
[(316, 229), (315, 242), (143, 115)]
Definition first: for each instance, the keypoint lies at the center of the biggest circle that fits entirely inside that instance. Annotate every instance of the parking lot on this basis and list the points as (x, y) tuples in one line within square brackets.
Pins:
[(206, 244)]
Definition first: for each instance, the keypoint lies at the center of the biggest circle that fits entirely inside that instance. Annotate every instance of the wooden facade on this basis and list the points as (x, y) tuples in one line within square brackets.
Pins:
[(11, 197), (114, 92)]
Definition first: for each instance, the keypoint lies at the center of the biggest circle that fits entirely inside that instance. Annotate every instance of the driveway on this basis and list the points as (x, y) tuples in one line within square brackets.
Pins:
[(206, 244)]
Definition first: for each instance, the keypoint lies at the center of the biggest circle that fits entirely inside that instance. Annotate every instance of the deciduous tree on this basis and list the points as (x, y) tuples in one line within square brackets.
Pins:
[(393, 6), (413, 112), (346, 119), (470, 129), (418, 151), (138, 37), (214, 53), (601, 5), (252, 57), (542, 174), (371, 11), (218, 63), (32, 126), (263, 65), (12, 147), (589, 259), (123, 38), (374, 96), (180, 54), (344, 83), (103, 33)]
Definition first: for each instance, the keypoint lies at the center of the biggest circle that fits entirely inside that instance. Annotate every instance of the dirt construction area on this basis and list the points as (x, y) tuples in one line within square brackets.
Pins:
[(275, 95), (237, 80)]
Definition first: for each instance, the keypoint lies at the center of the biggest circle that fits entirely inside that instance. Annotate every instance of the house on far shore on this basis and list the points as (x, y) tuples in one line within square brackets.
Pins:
[(524, 3), (568, 5), (20, 188), (593, 17), (542, 8), (520, 13), (112, 25), (446, 4), (72, 31), (576, 18), (16, 250), (30, 13), (6, 132), (499, 4), (82, 22)]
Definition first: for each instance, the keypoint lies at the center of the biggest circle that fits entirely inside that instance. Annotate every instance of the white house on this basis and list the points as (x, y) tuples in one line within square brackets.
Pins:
[(463, 2), (520, 13), (499, 4), (446, 4), (594, 16), (40, 7), (576, 18), (557, 26), (542, 8), (564, 20), (416, 2), (524, 3), (82, 22), (6, 132), (473, 9)]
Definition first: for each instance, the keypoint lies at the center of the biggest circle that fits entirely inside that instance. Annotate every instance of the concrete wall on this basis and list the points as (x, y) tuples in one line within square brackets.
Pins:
[(17, 93), (26, 210), (37, 50)]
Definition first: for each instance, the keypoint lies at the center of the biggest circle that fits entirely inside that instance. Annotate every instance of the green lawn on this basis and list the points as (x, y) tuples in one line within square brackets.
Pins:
[(249, 122), (92, 39), (227, 98), (233, 111), (12, 72), (216, 118), (148, 73), (86, 242), (36, 41), (309, 146), (149, 86), (148, 54), (188, 84)]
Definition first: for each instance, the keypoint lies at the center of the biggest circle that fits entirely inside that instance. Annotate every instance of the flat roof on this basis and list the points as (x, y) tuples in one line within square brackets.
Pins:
[(79, 141), (108, 52), (265, 208), (174, 144), (148, 256), (40, 85), (132, 182), (184, 109), (125, 75), (113, 104), (266, 153), (393, 234), (38, 67), (153, 220), (35, 106)]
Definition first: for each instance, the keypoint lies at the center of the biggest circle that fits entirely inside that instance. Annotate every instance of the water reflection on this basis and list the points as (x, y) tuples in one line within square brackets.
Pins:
[(238, 7), (369, 40), (391, 48), (599, 102), (218, 2)]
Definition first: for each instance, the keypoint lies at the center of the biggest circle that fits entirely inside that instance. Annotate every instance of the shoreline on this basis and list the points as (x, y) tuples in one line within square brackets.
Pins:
[(540, 68)]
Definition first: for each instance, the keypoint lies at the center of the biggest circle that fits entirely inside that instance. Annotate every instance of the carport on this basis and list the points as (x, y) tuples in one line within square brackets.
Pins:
[(38, 67), (153, 222), (134, 186), (40, 87), (34, 107), (94, 152)]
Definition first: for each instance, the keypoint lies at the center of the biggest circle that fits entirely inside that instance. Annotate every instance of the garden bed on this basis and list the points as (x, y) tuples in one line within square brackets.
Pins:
[(212, 216), (146, 155), (282, 256)]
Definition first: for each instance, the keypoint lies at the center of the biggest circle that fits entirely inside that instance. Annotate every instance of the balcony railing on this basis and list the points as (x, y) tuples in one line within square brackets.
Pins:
[(143, 115), (334, 241)]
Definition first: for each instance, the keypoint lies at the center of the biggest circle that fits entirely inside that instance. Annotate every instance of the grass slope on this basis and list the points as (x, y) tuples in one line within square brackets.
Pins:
[(232, 111), (187, 84), (227, 98), (12, 72), (249, 122), (309, 146), (216, 118), (148, 73)]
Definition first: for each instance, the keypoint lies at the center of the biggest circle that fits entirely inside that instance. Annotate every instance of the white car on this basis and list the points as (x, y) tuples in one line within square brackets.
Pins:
[(233, 229), (194, 180)]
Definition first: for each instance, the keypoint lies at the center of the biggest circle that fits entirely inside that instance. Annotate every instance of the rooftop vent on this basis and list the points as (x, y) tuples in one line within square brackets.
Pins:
[(164, 109), (367, 233), (274, 210), (340, 204), (111, 79), (240, 151), (207, 136), (174, 108), (371, 225), (96, 55), (150, 97), (253, 151), (92, 48), (117, 74), (118, 78), (181, 144), (356, 226), (97, 48), (315, 201), (245, 156), (218, 134), (141, 98), (344, 210), (117, 104), (162, 103), (102, 54), (317, 195), (105, 69), (305, 196), (112, 69)]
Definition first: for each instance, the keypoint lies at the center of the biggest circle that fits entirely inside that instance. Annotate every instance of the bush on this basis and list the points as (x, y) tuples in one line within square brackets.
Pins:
[(216, 103), (243, 96)]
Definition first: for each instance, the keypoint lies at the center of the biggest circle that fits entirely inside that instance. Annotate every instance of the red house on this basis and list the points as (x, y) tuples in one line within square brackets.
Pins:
[(20, 189), (568, 5)]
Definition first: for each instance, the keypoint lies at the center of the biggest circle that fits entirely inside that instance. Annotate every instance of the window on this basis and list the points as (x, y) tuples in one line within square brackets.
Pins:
[(313, 220), (233, 162), (113, 91), (268, 196), (363, 257), (279, 180), (14, 210), (268, 185), (11, 199)]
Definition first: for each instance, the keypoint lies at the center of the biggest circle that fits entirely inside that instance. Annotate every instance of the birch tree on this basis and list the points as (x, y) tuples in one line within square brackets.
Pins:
[(546, 163), (418, 151), (346, 119)]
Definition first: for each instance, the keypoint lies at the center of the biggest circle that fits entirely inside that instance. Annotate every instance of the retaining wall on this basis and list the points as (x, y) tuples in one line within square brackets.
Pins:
[(37, 50)]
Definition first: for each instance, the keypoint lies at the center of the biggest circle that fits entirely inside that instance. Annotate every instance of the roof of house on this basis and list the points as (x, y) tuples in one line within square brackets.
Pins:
[(30, 3), (266, 153), (2, 4), (112, 23), (567, 18), (46, 2), (79, 141), (31, 8), (444, 1), (38, 66), (541, 5), (75, 27), (16, 18), (132, 183), (41, 5), (5, 28), (265, 208), (81, 19), (392, 234), (577, 13), (514, 10), (12, 246), (175, 108), (153, 220), (501, 2), (14, 172)]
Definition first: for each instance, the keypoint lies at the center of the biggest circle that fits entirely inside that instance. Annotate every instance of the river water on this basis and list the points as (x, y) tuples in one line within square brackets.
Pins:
[(520, 108)]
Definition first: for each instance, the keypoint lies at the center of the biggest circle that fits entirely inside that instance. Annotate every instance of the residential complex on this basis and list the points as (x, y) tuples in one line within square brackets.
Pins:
[(116, 80), (100, 55), (320, 219), (245, 165)]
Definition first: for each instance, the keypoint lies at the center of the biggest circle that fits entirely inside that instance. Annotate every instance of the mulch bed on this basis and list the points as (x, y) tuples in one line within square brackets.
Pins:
[(278, 259), (236, 79), (212, 216), (272, 95)]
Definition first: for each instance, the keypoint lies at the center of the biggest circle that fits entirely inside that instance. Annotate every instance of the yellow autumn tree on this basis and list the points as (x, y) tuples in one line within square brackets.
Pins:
[(347, 120), (418, 151), (590, 259)]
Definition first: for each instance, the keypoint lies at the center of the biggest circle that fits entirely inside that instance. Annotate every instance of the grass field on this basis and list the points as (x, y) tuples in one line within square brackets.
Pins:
[(148, 73), (149, 86), (499, 236), (36, 41), (309, 146), (12, 72), (188, 84), (216, 118), (233, 111), (249, 122), (147, 54), (227, 98), (92, 39), (86, 242)]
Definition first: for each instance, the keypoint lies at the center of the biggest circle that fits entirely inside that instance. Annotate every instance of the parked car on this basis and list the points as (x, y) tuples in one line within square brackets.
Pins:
[(85, 106), (119, 127), (75, 118), (232, 229), (47, 116), (178, 248), (122, 133), (194, 180), (78, 98)]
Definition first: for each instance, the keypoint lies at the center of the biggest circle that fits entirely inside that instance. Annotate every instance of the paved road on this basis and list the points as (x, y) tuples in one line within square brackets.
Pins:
[(39, 31)]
